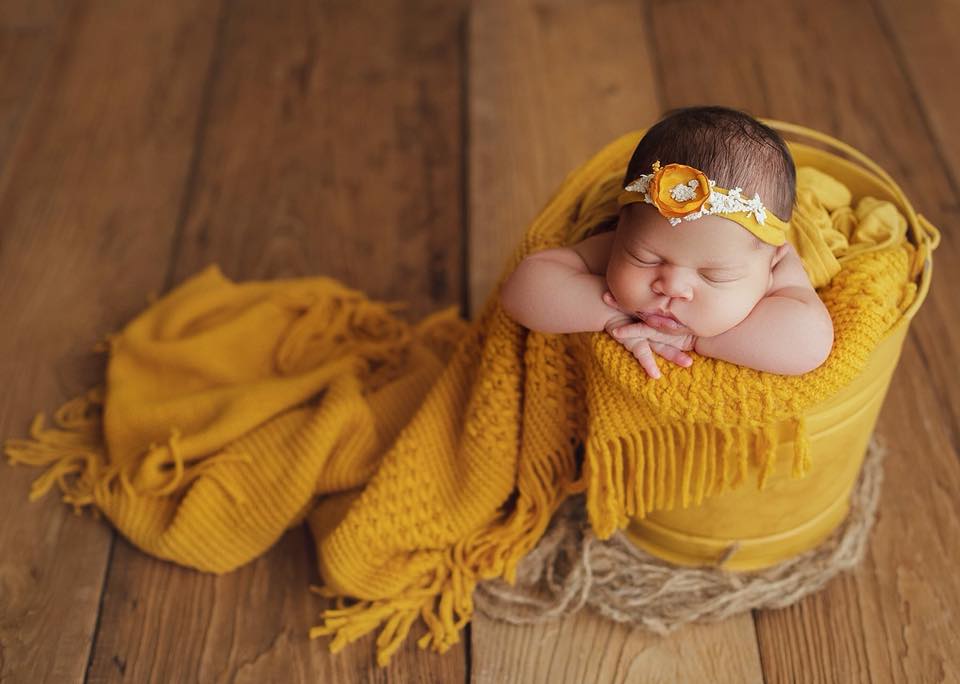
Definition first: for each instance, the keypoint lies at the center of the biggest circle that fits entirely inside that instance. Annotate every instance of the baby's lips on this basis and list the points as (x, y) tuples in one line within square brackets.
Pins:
[(662, 322)]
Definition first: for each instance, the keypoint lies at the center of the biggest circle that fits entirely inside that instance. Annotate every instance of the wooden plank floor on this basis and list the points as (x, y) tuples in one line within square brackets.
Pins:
[(402, 146)]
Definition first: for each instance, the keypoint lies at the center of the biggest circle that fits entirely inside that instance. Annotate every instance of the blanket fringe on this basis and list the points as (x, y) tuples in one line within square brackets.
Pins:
[(73, 448), (664, 466), (801, 448), (76, 458), (443, 597), (448, 591)]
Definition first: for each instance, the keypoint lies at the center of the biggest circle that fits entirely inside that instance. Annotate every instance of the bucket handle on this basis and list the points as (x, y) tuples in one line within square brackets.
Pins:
[(928, 236)]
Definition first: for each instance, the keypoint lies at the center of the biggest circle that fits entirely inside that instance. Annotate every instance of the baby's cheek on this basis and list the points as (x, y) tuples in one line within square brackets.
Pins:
[(730, 311), (620, 286)]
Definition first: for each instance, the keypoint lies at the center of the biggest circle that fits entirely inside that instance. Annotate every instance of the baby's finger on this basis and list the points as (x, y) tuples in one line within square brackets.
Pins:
[(633, 330), (647, 360), (671, 354), (609, 300)]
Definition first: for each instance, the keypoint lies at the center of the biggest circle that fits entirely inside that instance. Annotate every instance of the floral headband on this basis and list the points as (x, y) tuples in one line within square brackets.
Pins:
[(681, 192)]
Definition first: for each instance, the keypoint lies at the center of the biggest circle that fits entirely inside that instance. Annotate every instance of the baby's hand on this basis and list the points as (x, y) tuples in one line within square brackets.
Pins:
[(642, 341)]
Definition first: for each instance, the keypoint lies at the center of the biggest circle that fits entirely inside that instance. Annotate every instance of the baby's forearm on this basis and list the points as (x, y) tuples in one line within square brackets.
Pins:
[(784, 334), (552, 292)]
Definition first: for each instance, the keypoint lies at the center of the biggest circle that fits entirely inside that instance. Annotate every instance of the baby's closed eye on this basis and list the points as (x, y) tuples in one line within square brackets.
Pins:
[(720, 275)]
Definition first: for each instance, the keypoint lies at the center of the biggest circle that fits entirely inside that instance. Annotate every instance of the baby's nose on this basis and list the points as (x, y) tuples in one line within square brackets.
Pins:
[(672, 283)]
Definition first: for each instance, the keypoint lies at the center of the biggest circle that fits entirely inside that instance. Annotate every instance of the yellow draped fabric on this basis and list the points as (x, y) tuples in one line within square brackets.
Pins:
[(426, 457)]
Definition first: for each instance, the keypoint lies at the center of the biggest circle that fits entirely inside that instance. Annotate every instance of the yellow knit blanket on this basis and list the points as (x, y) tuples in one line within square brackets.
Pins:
[(427, 457)]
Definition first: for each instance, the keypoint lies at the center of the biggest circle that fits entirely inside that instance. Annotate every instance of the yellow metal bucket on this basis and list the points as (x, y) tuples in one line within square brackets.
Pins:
[(790, 516)]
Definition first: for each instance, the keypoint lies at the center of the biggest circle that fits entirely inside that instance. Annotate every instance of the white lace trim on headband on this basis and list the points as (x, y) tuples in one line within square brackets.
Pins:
[(718, 202)]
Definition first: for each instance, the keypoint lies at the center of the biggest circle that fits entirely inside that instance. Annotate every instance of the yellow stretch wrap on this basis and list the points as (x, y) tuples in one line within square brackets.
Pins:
[(426, 457)]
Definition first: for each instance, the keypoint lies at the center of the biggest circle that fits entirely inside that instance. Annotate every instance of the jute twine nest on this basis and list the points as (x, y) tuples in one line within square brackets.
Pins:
[(570, 568)]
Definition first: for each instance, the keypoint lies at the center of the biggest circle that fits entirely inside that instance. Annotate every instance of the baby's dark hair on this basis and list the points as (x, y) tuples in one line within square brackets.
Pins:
[(729, 146)]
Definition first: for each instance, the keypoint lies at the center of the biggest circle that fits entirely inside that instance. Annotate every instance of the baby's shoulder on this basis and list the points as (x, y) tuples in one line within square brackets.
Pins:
[(788, 272), (595, 251)]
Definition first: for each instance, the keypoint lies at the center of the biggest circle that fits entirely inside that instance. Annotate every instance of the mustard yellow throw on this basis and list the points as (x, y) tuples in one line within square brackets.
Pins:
[(426, 457)]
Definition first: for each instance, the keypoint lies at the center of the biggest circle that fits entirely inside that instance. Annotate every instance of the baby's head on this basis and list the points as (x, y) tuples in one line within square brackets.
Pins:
[(709, 272)]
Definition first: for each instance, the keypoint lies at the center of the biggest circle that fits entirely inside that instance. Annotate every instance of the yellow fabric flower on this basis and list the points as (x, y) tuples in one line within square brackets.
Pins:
[(678, 189)]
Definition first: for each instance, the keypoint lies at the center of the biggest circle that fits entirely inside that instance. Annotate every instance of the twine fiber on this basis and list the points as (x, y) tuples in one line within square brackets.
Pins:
[(570, 569)]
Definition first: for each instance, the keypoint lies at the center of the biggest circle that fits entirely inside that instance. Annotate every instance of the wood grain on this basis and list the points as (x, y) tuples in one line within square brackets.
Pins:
[(833, 68), (536, 113), (925, 43), (586, 647), (333, 152), (927, 51), (89, 199), (29, 33)]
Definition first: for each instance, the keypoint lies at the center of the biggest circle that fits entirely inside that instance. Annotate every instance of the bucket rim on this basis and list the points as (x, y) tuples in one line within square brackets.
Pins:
[(925, 233), (926, 236)]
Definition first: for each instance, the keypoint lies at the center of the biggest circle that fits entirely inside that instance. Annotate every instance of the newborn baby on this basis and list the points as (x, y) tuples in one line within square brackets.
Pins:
[(698, 258)]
